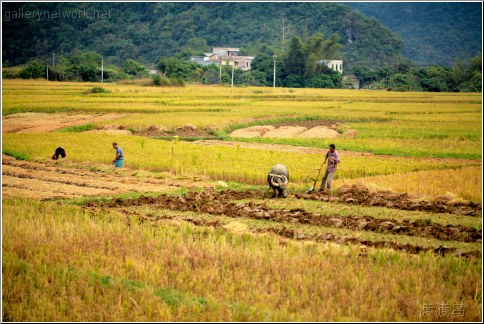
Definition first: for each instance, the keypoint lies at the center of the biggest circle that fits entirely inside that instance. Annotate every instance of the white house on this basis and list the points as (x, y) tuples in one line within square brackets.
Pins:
[(336, 65), (225, 56)]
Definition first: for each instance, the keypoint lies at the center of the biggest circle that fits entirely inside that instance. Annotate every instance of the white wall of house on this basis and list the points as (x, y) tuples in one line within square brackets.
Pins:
[(335, 65)]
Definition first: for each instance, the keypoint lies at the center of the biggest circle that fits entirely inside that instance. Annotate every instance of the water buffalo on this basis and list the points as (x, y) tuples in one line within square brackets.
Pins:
[(278, 179)]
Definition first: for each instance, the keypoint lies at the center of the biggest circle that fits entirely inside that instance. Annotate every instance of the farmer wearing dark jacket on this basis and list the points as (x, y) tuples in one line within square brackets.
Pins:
[(119, 159), (332, 158), (59, 151)]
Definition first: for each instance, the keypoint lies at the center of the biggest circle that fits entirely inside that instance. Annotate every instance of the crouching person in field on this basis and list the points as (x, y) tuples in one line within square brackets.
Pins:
[(59, 151), (278, 178), (119, 159)]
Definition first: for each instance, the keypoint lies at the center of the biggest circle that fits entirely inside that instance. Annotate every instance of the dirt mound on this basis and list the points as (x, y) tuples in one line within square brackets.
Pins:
[(187, 127), (187, 130), (113, 127), (111, 131), (319, 132), (358, 194), (303, 129), (312, 123), (285, 132), (154, 128), (254, 131), (222, 204)]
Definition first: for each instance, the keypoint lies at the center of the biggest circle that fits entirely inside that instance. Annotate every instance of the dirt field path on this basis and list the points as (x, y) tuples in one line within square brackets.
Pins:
[(42, 122), (47, 181), (277, 147)]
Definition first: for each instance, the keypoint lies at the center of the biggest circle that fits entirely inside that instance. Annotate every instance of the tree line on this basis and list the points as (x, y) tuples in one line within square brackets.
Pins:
[(299, 66), (461, 77)]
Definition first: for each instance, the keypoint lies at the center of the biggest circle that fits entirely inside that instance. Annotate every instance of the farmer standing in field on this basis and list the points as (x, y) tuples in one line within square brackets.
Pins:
[(332, 157), (119, 159)]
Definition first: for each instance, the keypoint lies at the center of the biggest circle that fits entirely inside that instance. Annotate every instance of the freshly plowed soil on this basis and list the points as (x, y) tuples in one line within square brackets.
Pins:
[(47, 181), (290, 233), (221, 204), (360, 195), (183, 131)]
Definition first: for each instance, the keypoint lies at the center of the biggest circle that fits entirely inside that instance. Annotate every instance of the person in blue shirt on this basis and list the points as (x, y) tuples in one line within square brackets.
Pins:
[(119, 159)]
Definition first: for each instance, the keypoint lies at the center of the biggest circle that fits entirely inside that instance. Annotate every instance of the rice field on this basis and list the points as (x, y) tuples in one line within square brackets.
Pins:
[(225, 163), (185, 231), (396, 123)]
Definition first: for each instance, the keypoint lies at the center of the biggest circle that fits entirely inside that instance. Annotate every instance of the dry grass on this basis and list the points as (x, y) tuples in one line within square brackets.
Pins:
[(63, 263), (246, 165), (463, 183), (54, 179)]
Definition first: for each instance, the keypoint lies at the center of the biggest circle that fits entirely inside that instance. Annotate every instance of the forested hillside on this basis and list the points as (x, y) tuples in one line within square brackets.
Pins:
[(432, 33), (148, 31)]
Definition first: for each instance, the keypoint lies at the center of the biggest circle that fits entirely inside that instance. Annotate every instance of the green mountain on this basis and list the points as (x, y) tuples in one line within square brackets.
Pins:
[(148, 31), (433, 33)]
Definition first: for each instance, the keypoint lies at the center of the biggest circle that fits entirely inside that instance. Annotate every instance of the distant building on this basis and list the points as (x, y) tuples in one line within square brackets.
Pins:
[(350, 81), (151, 72), (336, 65), (226, 52), (225, 56)]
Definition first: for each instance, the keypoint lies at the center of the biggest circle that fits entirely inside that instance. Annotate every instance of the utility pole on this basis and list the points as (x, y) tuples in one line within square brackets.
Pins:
[(233, 64), (220, 71), (47, 69), (53, 61), (274, 80), (102, 69)]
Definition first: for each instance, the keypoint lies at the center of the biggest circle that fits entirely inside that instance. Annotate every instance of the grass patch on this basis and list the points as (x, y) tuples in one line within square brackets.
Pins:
[(15, 154), (175, 298), (78, 128), (237, 186)]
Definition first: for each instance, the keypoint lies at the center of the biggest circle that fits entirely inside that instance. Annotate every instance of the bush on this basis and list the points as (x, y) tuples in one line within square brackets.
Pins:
[(177, 82), (163, 81), (156, 80), (294, 81), (135, 69), (320, 81), (34, 69), (96, 89)]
